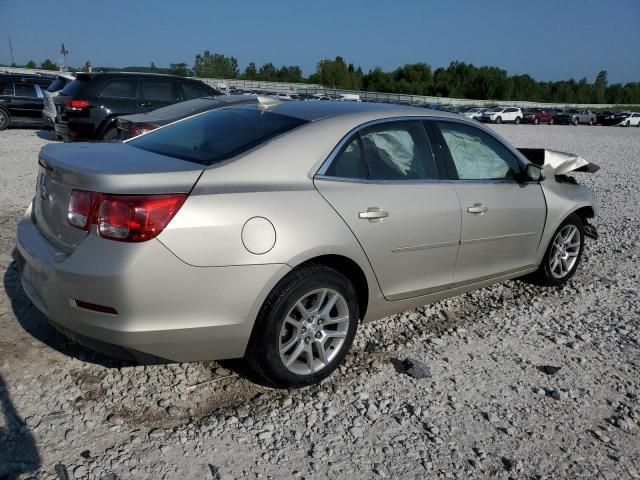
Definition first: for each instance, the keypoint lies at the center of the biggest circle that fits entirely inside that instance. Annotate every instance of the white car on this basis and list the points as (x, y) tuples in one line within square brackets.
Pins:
[(629, 119), (49, 110), (475, 113), (502, 114)]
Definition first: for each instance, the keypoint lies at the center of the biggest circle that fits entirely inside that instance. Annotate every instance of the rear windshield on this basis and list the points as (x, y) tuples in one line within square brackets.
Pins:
[(74, 87), (217, 135), (58, 84)]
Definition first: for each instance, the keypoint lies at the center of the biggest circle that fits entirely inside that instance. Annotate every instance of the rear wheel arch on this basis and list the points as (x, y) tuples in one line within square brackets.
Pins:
[(109, 122), (349, 269)]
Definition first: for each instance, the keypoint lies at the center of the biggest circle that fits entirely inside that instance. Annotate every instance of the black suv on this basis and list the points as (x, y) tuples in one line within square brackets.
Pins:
[(22, 98), (87, 108)]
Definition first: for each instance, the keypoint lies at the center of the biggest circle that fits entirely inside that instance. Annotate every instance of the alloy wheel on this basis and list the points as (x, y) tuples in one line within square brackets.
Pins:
[(4, 120), (314, 331), (565, 251)]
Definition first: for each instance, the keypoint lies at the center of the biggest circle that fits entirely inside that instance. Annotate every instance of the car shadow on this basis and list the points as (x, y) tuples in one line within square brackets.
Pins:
[(38, 326), (49, 135), (18, 451)]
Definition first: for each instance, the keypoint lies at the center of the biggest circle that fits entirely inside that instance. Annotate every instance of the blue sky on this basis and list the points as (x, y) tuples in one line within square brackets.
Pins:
[(550, 39)]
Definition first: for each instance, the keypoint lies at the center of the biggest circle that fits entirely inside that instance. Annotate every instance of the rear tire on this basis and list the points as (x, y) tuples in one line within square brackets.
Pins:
[(5, 119), (551, 122), (110, 134), (305, 328), (536, 121), (627, 124), (517, 121), (563, 254), (590, 122)]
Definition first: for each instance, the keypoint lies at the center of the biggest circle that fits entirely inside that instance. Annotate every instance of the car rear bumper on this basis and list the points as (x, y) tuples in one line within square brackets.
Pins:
[(165, 308)]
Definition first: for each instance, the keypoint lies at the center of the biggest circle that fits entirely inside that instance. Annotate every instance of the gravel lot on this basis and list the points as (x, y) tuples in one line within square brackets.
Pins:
[(488, 410)]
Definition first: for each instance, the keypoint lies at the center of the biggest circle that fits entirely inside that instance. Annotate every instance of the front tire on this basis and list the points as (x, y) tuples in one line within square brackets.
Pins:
[(499, 120), (563, 253), (110, 135), (536, 121), (5, 119), (305, 328), (551, 121), (575, 121)]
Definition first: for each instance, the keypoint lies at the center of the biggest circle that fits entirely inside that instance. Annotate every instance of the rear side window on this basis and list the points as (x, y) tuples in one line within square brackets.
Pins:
[(121, 88), (398, 151), (160, 91), (217, 135), (191, 91), (477, 155), (25, 90), (349, 163)]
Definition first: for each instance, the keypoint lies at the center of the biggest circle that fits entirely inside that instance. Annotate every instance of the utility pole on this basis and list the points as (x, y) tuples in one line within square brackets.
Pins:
[(64, 52), (11, 50)]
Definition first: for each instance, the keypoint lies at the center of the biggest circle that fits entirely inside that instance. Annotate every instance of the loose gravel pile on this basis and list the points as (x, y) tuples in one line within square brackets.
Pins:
[(512, 381)]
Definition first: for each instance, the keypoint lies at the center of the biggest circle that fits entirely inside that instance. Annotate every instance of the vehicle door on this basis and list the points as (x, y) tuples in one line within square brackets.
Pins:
[(27, 102), (384, 183), (156, 93), (502, 217), (510, 114)]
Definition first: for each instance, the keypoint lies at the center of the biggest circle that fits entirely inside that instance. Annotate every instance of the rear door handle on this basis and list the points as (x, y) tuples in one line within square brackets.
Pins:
[(373, 214), (477, 208), (146, 104)]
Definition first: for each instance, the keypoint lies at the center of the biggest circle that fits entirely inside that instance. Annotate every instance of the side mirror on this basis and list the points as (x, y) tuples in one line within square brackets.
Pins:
[(533, 173)]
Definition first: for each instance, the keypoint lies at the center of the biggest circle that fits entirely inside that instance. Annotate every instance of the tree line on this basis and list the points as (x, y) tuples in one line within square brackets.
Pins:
[(458, 80)]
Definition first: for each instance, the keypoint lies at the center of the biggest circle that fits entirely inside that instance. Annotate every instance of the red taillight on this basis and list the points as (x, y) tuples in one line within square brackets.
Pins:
[(126, 218), (76, 103), (81, 208), (140, 129)]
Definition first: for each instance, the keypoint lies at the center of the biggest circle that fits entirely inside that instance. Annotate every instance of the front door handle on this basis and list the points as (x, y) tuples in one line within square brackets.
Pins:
[(477, 208), (373, 214)]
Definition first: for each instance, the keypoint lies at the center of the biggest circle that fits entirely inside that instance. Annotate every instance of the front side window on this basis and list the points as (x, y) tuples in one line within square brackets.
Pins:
[(25, 90), (160, 91), (123, 88), (477, 155), (6, 88), (216, 135)]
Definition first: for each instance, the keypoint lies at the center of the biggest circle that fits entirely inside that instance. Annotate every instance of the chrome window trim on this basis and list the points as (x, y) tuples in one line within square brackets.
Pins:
[(382, 182), (320, 173)]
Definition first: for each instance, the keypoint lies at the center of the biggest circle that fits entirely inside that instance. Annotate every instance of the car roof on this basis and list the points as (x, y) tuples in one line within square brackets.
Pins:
[(86, 75), (312, 111)]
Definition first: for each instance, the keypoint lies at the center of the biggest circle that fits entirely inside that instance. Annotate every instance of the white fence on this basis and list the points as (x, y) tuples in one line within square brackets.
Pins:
[(309, 88)]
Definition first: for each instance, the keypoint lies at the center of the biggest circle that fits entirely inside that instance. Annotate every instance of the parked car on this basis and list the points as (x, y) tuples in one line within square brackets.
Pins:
[(575, 117), (539, 115), (49, 110), (475, 113), (628, 119), (607, 118), (502, 115), (133, 125), (87, 108), (22, 99), (235, 233)]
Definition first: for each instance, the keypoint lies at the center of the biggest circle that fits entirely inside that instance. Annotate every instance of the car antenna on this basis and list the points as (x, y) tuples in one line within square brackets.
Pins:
[(265, 102)]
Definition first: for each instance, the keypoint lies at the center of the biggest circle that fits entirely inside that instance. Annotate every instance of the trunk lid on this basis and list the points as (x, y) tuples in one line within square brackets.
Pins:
[(114, 168)]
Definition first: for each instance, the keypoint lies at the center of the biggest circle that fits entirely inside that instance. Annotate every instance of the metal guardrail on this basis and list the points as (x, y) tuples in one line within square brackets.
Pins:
[(310, 88)]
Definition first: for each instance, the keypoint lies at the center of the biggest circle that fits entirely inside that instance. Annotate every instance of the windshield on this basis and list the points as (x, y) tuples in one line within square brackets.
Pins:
[(217, 135)]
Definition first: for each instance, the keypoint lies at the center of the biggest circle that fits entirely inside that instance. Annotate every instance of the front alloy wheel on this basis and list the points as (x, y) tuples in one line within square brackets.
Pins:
[(565, 249), (563, 253)]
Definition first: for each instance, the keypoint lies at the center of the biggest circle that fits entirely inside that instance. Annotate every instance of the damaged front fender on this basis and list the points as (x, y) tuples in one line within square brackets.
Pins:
[(561, 162)]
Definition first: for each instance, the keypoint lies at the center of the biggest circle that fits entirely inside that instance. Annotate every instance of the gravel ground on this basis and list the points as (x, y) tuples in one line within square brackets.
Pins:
[(491, 405)]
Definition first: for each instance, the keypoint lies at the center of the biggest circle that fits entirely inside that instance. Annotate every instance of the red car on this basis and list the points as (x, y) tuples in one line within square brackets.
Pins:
[(539, 115)]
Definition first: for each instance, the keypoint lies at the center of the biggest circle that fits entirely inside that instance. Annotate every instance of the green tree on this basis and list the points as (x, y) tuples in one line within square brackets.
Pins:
[(268, 73), (48, 65), (600, 87), (180, 69), (31, 64), (337, 74), (215, 65), (251, 72)]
